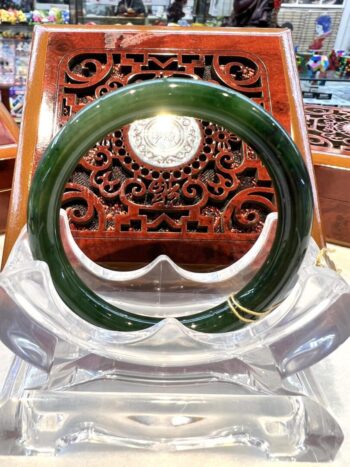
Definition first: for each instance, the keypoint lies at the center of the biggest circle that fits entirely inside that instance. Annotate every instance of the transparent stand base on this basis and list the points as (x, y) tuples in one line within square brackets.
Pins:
[(76, 388), (226, 405)]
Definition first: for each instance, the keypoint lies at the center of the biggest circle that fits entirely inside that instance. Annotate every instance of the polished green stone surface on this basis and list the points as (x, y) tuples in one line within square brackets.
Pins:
[(193, 99)]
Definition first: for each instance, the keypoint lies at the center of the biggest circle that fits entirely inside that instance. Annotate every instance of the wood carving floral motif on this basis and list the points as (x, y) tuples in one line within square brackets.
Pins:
[(222, 193)]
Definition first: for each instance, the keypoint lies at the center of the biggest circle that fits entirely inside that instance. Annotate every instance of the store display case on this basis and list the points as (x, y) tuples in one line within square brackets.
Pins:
[(106, 12)]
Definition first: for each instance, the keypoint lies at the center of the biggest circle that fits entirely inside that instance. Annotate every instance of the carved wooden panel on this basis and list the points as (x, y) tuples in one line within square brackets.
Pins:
[(208, 209), (329, 134), (222, 193), (328, 128)]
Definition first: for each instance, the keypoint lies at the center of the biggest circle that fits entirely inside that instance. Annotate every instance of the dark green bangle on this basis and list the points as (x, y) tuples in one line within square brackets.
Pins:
[(193, 99)]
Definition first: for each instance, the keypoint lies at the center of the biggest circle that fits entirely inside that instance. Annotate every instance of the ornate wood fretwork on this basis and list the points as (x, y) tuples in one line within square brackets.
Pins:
[(328, 128), (329, 135), (223, 193)]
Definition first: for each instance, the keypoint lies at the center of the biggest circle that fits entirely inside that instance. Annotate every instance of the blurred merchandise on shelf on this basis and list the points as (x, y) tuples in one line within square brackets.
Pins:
[(14, 62), (107, 12), (313, 27), (16, 101), (323, 30), (334, 66), (22, 61), (53, 15), (12, 16), (16, 33), (346, 69), (317, 64), (7, 62)]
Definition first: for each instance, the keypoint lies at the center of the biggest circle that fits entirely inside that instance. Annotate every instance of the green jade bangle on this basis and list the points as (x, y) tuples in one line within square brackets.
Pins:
[(193, 99)]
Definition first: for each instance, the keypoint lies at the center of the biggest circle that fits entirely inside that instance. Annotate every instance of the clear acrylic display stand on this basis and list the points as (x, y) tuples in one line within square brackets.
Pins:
[(73, 386)]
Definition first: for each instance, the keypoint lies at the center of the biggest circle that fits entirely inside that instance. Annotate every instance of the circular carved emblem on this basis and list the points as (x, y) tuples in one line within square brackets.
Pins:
[(165, 140), (345, 127)]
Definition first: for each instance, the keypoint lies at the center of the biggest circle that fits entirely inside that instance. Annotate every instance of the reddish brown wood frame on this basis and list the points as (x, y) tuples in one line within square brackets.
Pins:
[(8, 149), (72, 66)]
